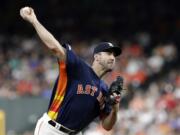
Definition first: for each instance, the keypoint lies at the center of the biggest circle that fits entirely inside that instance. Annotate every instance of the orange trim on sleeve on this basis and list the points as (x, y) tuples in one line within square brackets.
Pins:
[(60, 92)]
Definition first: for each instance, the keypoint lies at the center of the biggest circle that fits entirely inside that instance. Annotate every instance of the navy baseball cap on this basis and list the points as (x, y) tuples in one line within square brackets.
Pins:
[(107, 47)]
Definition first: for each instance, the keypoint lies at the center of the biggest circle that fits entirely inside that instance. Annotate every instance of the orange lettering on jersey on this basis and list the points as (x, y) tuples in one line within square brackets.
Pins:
[(94, 89), (88, 89), (80, 89)]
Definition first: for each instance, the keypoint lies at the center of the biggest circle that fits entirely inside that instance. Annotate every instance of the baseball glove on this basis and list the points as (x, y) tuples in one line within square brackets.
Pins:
[(115, 87)]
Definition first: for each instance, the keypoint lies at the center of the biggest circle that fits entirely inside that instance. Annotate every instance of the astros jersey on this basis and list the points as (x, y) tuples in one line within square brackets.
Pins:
[(75, 99)]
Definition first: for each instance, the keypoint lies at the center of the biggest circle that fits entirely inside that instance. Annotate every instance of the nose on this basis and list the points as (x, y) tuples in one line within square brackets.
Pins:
[(112, 57)]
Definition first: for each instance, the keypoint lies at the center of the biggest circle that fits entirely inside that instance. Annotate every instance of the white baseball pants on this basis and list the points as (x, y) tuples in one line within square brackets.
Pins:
[(44, 128)]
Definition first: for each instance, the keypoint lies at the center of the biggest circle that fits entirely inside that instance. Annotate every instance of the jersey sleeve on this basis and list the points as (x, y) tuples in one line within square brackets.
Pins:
[(73, 61)]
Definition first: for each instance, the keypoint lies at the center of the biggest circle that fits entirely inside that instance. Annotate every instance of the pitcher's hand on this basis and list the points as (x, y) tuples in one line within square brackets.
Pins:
[(27, 13)]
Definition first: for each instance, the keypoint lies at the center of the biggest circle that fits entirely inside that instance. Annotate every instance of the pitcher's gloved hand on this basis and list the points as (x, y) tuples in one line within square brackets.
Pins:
[(115, 91)]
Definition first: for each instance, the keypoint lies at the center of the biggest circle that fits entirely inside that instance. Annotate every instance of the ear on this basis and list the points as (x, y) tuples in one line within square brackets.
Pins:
[(96, 57)]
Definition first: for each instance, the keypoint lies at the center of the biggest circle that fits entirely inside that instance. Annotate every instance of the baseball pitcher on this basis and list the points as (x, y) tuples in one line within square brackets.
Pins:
[(79, 95)]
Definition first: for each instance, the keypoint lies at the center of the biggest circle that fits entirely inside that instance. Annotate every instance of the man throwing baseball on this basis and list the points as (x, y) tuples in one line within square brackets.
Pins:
[(79, 94)]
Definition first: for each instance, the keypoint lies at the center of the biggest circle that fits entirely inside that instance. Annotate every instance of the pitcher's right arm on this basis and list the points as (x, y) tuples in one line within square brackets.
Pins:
[(27, 13)]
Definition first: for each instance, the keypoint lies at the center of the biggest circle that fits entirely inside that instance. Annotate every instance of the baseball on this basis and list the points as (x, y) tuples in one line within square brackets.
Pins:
[(26, 10)]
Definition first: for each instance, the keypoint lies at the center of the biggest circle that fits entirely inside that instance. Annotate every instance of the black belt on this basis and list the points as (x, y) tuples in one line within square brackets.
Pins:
[(61, 127)]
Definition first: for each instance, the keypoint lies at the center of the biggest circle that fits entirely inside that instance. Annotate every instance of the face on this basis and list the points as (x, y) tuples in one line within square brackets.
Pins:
[(106, 60)]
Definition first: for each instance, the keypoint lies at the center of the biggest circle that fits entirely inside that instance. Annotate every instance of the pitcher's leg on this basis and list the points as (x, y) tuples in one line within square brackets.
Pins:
[(38, 127)]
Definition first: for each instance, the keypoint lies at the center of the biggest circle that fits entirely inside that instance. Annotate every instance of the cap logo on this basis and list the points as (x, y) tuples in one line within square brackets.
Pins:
[(110, 44)]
